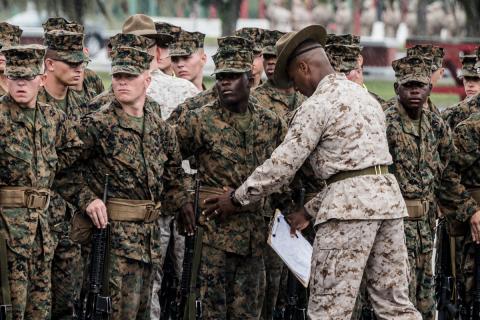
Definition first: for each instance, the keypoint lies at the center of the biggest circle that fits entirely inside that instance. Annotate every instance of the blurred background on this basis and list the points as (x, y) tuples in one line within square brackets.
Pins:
[(387, 27)]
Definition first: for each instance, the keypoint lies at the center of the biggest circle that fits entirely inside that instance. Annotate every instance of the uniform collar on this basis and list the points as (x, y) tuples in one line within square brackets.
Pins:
[(407, 123), (17, 114), (125, 121)]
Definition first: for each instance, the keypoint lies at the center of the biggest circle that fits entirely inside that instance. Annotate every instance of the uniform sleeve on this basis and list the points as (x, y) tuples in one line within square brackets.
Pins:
[(188, 132), (452, 195), (176, 194), (68, 146), (301, 139)]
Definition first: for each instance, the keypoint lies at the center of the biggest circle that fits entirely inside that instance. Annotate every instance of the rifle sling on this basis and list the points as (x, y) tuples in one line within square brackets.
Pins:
[(5, 285), (191, 311)]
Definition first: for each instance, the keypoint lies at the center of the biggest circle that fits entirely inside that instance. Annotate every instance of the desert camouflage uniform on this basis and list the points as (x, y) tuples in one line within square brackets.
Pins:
[(32, 153), (353, 235), (232, 272)]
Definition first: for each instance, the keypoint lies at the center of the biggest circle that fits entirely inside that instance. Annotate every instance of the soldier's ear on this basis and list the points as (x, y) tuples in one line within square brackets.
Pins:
[(395, 87)]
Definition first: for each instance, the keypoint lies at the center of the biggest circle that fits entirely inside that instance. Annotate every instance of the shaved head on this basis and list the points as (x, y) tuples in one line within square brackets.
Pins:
[(308, 65)]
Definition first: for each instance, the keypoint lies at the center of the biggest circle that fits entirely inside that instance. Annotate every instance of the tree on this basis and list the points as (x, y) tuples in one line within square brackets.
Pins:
[(472, 11), (228, 11)]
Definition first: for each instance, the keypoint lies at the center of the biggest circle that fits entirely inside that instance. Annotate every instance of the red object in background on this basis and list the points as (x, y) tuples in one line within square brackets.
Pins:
[(244, 9), (451, 61), (261, 9)]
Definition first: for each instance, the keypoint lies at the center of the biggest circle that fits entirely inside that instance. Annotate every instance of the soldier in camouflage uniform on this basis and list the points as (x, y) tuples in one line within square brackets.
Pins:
[(36, 141), (128, 140), (256, 36), (189, 58), (166, 90), (455, 114), (229, 138), (344, 53), (411, 128), (164, 59), (9, 36), (470, 75), (64, 63)]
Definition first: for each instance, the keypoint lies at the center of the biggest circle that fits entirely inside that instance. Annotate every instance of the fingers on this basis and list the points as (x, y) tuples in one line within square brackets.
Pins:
[(97, 211), (474, 233), (210, 211), (293, 231), (475, 229), (211, 200)]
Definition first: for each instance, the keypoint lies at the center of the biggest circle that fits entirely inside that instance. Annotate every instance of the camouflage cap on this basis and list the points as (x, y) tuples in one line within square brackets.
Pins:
[(59, 23), (412, 68), (255, 35), (167, 28), (65, 45), (131, 40), (24, 61), (343, 39), (130, 60), (477, 53), (270, 38), (187, 43), (429, 51), (343, 58), (469, 66), (234, 55), (9, 35)]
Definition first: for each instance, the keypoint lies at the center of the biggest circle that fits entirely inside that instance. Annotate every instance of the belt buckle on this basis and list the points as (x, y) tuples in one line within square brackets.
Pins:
[(32, 195), (151, 212)]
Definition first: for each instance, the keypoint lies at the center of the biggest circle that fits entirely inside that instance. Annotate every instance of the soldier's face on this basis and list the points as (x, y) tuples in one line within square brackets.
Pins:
[(269, 62), (2, 63), (24, 91), (471, 85), (257, 66), (163, 58), (68, 74), (129, 88), (300, 74), (413, 94), (232, 87), (189, 67)]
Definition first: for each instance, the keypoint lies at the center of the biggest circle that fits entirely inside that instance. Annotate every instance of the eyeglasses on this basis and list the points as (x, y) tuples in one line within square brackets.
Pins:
[(25, 78)]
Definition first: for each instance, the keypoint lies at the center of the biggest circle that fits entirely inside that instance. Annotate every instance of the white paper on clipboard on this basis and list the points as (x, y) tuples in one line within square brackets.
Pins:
[(296, 252)]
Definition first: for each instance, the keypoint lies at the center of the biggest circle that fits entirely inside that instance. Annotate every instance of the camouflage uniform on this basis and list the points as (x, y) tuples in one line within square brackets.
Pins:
[(67, 264), (33, 150), (268, 96), (9, 36), (232, 272), (455, 114), (142, 164), (92, 84), (353, 235)]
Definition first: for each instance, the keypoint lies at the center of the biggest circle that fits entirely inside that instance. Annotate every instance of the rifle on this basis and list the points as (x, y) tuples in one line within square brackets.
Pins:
[(295, 309), (168, 289), (189, 306), (444, 279), (473, 311), (6, 304), (99, 304)]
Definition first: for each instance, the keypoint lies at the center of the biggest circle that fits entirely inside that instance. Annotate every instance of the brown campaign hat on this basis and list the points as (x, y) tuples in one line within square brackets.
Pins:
[(143, 25), (286, 46)]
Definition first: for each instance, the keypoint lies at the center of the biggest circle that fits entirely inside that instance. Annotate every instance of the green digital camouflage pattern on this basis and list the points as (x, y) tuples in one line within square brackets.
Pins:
[(343, 39), (24, 61), (277, 101), (412, 68), (343, 58), (231, 286), (466, 162), (270, 38), (428, 51), (66, 45), (92, 84), (178, 115), (131, 40), (468, 66), (377, 97), (31, 155), (234, 55), (455, 114), (113, 146), (130, 60), (102, 99), (59, 23), (226, 157), (187, 43), (167, 28), (9, 35), (255, 35)]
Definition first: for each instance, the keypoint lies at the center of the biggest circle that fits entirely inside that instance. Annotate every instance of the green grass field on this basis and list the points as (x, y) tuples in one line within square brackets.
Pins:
[(383, 88)]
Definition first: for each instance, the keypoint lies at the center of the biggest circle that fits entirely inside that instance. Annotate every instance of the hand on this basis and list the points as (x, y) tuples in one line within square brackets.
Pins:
[(475, 227), (97, 211), (187, 219), (219, 206), (298, 220)]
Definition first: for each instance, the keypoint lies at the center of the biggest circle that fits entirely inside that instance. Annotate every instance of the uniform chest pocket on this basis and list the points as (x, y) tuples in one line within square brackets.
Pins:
[(18, 153), (128, 156)]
